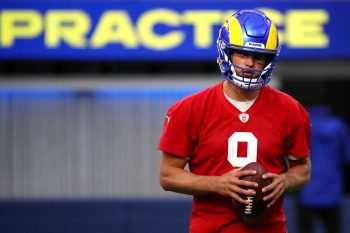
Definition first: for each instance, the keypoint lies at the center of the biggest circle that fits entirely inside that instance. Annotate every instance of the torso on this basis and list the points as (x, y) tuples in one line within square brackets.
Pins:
[(221, 141)]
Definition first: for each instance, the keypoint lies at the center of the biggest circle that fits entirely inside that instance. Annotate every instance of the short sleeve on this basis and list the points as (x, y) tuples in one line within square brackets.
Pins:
[(178, 137), (298, 132)]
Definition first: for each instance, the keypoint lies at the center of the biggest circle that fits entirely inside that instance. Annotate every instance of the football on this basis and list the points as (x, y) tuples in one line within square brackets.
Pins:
[(257, 206)]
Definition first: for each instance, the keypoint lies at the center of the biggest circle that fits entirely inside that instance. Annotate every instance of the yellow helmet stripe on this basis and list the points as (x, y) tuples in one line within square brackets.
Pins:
[(235, 32), (272, 39)]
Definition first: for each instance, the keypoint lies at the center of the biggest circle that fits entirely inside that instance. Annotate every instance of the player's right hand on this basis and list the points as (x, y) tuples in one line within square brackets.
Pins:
[(230, 185)]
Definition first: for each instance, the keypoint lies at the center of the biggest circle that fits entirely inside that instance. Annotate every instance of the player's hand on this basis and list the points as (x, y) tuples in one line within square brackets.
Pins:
[(230, 184), (274, 190)]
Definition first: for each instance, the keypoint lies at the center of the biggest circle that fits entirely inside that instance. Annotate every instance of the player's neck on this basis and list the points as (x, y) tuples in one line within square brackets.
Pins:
[(238, 94)]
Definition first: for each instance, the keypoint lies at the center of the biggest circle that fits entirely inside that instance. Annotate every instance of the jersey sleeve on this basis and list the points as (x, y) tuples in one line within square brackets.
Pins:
[(178, 136), (298, 132)]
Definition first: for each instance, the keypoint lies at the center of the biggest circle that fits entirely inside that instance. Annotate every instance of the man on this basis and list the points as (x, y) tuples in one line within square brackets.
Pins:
[(321, 199), (221, 129)]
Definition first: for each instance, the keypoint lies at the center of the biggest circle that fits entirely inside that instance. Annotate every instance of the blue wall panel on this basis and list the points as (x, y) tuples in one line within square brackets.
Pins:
[(112, 216)]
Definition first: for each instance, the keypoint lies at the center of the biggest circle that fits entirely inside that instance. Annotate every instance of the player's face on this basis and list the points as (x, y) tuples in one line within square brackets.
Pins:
[(249, 60)]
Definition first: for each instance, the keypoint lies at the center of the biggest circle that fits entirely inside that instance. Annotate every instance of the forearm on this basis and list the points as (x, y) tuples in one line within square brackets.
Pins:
[(173, 177), (178, 180), (298, 175)]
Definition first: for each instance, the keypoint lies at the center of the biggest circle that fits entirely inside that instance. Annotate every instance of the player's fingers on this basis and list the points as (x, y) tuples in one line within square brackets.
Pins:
[(247, 192), (269, 176), (277, 183), (274, 195), (246, 173), (271, 203), (247, 183), (272, 189), (269, 196), (273, 184), (269, 187), (239, 199), (275, 198), (239, 190)]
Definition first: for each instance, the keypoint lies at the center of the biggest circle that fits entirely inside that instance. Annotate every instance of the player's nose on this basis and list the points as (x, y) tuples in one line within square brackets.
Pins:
[(249, 61)]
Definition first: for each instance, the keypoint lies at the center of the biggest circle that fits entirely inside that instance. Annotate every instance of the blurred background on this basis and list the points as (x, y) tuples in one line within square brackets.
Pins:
[(85, 85)]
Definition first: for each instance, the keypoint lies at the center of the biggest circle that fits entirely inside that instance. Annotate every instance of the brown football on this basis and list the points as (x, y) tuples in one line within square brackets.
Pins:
[(257, 206)]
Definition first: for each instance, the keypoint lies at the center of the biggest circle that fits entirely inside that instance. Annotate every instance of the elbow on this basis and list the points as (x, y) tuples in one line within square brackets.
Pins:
[(300, 172), (164, 181), (307, 171), (307, 174), (305, 181)]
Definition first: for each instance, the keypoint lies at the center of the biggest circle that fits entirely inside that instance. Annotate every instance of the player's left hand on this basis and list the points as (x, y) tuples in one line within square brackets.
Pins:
[(274, 190)]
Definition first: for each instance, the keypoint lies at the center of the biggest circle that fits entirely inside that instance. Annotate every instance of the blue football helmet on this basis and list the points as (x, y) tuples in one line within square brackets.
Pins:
[(252, 31)]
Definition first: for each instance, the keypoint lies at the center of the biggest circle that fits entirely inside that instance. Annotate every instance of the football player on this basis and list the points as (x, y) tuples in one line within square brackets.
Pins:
[(240, 120), (322, 198)]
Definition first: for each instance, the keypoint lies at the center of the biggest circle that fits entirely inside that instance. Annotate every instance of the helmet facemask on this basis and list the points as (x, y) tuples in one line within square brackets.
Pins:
[(255, 82)]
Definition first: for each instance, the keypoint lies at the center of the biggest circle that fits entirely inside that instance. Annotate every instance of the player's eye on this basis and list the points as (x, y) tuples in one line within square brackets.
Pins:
[(241, 54), (259, 57)]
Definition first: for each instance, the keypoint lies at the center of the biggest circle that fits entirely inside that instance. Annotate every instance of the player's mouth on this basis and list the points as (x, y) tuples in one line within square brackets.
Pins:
[(248, 73)]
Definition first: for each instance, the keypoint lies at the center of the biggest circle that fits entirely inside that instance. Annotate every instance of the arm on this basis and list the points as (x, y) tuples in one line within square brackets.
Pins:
[(174, 178), (297, 176)]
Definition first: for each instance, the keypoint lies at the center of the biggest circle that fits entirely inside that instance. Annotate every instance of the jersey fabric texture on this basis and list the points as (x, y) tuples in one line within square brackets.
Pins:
[(330, 150), (203, 126)]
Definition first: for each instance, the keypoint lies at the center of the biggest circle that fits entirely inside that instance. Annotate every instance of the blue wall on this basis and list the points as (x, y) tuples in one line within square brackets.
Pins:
[(111, 216), (94, 216)]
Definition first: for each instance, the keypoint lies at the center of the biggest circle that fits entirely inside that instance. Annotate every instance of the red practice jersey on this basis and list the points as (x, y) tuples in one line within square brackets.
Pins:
[(217, 137)]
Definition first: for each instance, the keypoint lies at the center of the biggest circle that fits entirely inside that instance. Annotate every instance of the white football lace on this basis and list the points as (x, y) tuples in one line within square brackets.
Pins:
[(249, 207)]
